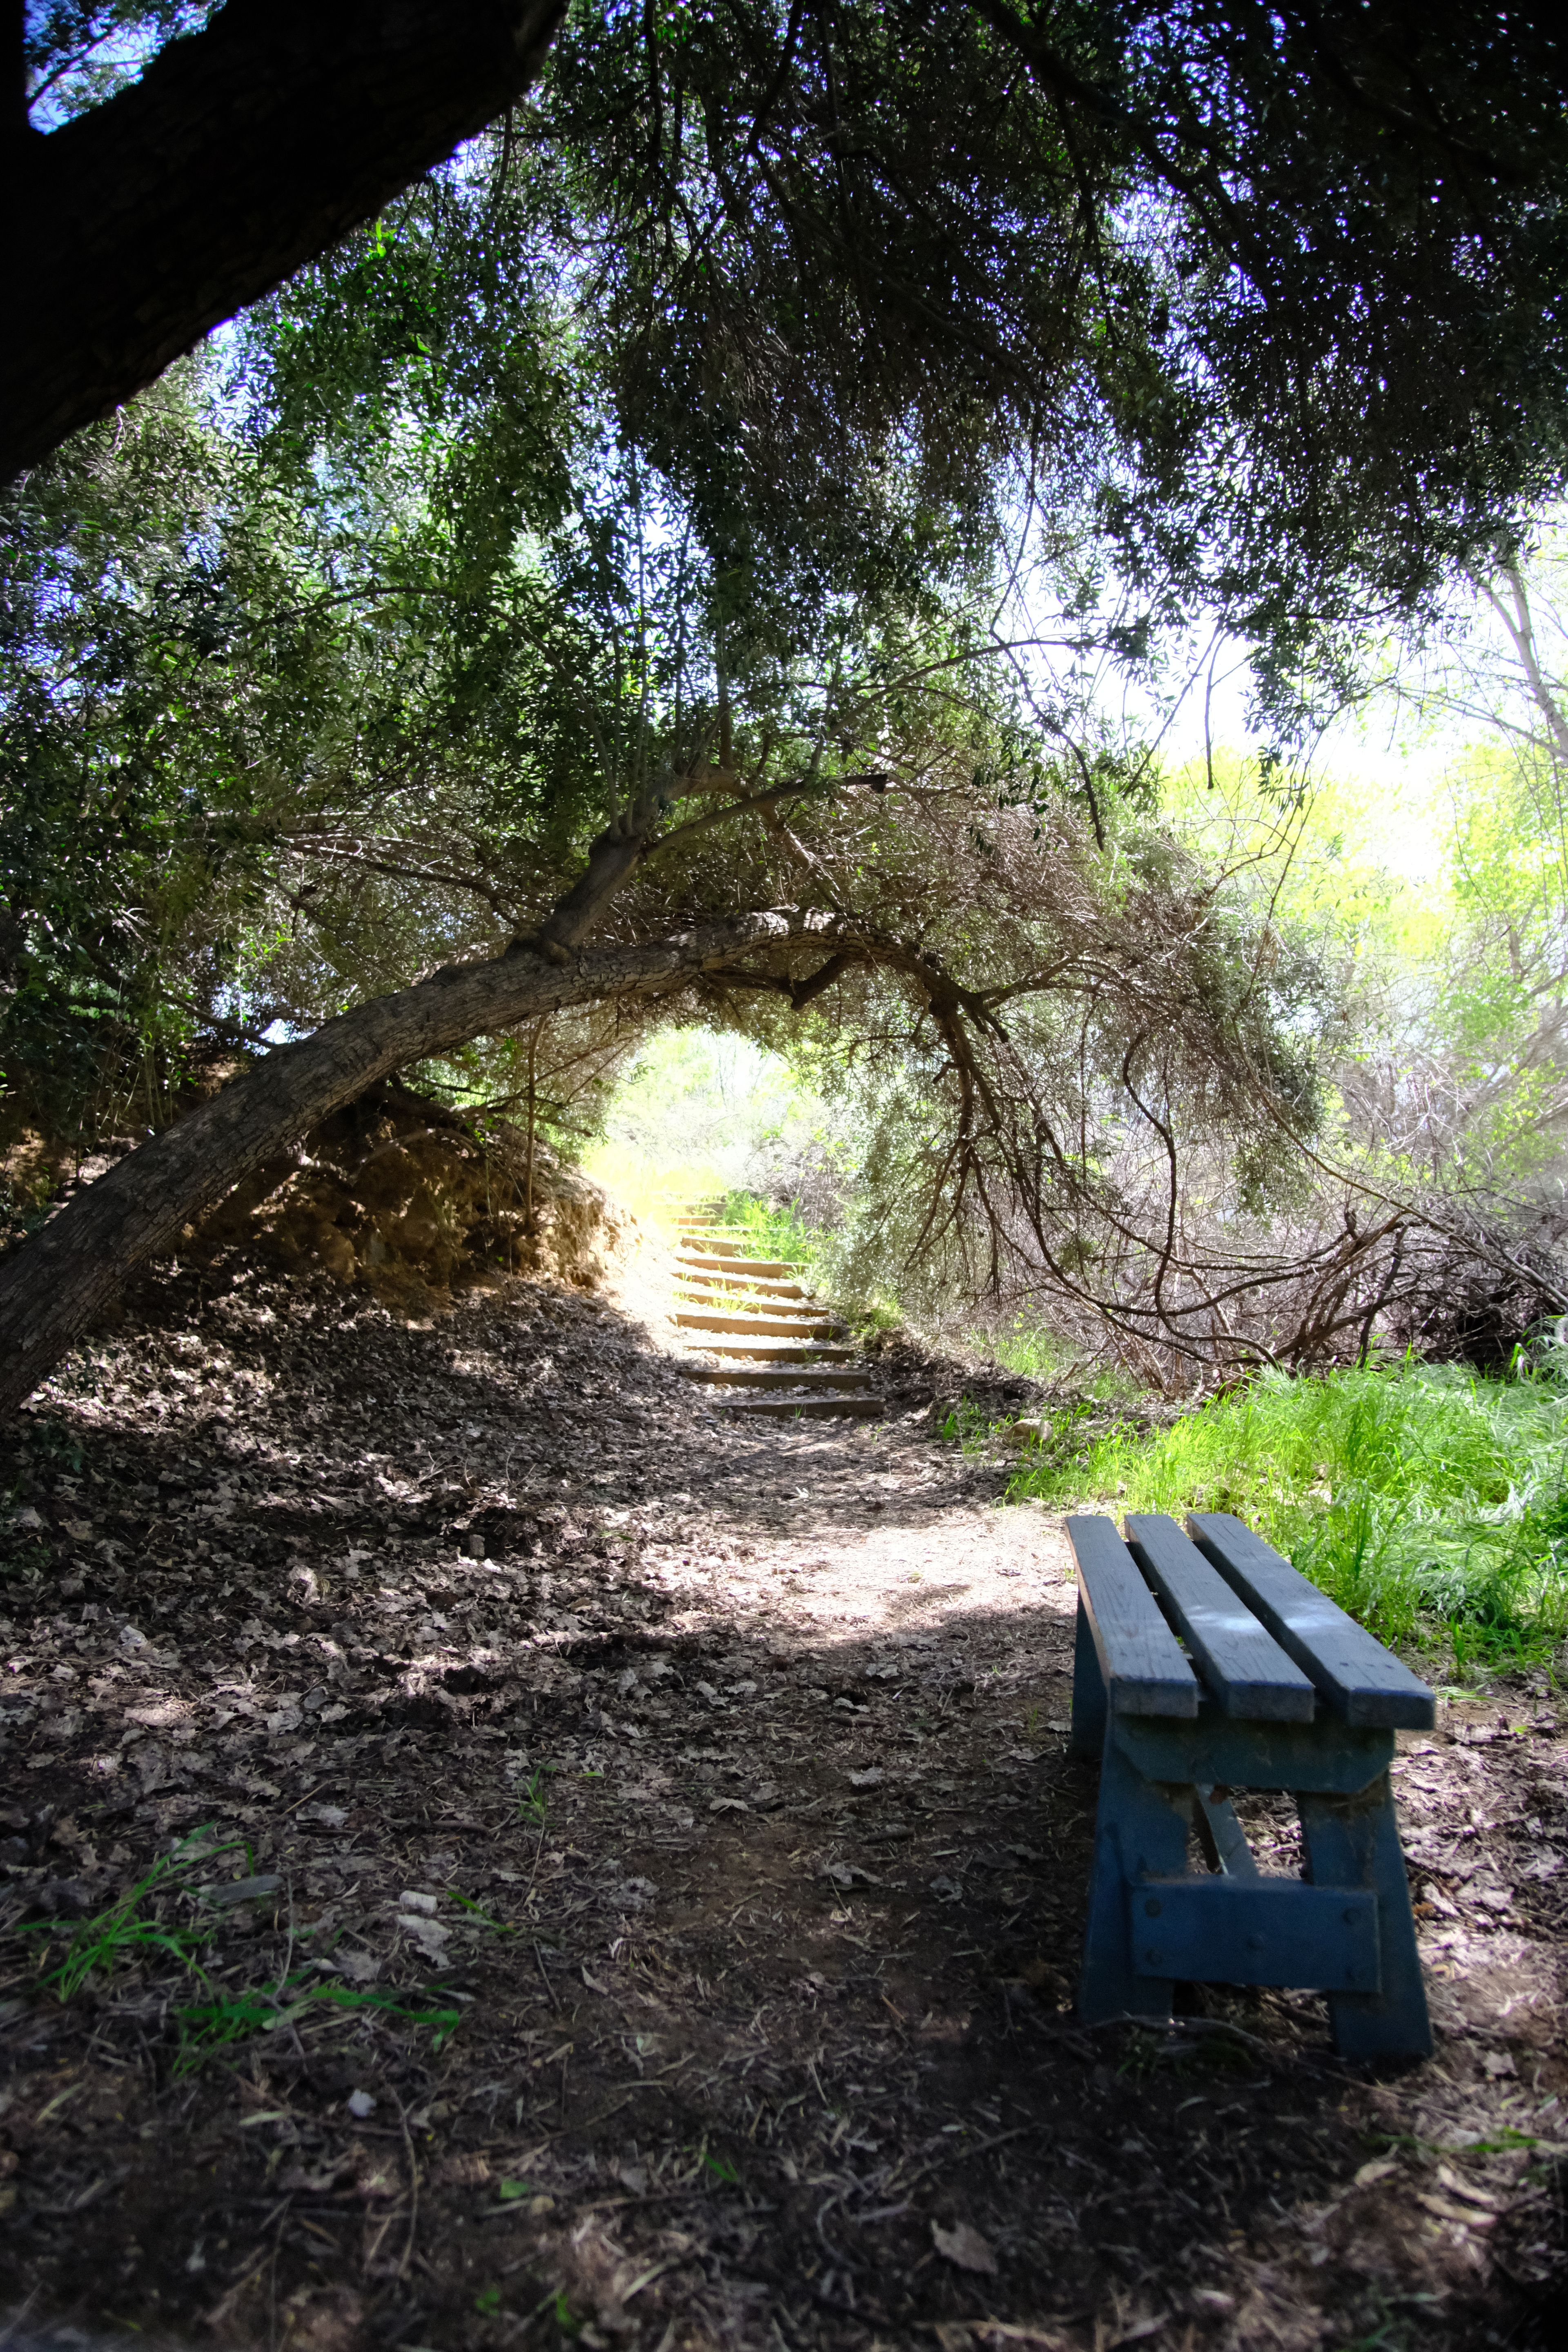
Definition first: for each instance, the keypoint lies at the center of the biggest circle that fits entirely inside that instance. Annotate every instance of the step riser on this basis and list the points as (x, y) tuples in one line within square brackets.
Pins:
[(723, 1279), (784, 1356), (755, 1298), (760, 1269), (762, 1327), (845, 1408), (771, 1291), (788, 1378)]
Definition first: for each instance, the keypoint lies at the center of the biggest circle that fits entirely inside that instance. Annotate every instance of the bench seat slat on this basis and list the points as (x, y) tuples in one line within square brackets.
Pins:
[(1363, 1682), (1241, 1663), (1139, 1657)]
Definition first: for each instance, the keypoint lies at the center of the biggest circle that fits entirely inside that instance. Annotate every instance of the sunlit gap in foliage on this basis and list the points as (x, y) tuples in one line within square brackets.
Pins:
[(701, 1114)]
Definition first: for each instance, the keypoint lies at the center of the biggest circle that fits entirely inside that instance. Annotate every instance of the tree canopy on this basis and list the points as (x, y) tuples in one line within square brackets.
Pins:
[(683, 522), (1278, 288)]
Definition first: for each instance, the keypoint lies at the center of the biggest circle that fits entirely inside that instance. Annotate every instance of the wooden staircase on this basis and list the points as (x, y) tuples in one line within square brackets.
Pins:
[(763, 1346)]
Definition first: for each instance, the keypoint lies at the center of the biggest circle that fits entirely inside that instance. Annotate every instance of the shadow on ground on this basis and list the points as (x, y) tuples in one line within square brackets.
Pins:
[(661, 1886)]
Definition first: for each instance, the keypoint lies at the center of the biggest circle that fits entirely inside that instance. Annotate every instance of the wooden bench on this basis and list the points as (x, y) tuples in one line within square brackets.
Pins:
[(1269, 1685)]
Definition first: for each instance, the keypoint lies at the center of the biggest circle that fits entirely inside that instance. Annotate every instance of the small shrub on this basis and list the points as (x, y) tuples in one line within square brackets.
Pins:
[(770, 1232)]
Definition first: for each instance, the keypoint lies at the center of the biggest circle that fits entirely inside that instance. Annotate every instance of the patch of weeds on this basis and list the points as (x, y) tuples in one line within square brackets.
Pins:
[(565, 2319), (1144, 2052), (56, 1445), (971, 1427), (1074, 1453), (1027, 1348), (767, 1232), (477, 1913), (534, 1798), (876, 1320), (721, 2169), (214, 2026), (1431, 1504), (1178, 2051), (1391, 2328), (133, 1928), (512, 2192), (488, 2302)]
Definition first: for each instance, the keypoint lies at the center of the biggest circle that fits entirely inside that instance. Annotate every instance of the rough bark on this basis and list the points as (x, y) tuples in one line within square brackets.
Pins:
[(242, 152), (56, 1284)]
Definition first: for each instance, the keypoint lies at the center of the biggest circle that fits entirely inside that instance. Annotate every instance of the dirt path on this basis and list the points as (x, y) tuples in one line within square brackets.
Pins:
[(713, 1779)]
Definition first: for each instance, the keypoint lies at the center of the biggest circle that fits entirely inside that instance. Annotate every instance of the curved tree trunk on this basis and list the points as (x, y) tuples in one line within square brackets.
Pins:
[(242, 152), (56, 1284)]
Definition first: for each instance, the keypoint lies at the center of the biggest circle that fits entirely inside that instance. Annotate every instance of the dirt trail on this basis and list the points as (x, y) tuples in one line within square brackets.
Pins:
[(714, 1776)]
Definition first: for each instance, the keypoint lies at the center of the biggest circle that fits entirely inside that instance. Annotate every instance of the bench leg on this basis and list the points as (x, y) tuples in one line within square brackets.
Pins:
[(1142, 1829), (1355, 1842), (1089, 1707)]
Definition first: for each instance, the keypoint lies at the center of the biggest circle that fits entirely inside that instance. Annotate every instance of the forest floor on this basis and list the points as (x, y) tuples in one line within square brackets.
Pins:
[(643, 1879)]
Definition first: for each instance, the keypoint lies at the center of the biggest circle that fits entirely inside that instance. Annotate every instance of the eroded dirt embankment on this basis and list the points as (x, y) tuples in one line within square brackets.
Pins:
[(395, 1197), (715, 1779)]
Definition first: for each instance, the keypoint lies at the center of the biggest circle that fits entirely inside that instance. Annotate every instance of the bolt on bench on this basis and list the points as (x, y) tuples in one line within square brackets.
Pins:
[(1275, 1688)]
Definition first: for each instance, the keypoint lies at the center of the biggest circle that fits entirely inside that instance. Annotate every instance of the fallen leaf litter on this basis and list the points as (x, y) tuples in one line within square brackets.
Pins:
[(711, 1782)]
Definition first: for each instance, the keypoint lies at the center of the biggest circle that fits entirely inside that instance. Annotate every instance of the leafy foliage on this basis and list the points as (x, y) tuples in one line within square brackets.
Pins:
[(691, 449), (77, 53), (1430, 1504), (1260, 294)]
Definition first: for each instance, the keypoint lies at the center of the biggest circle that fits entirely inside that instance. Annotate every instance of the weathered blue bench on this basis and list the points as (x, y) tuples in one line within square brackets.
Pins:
[(1207, 1664)]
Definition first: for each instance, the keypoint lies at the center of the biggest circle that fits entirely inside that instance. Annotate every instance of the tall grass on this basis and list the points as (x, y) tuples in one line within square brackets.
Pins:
[(770, 1232), (1038, 1354), (1430, 1503), (1026, 1348)]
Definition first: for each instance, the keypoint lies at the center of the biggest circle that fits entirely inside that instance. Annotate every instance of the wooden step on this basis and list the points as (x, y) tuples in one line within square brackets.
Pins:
[(788, 1325), (781, 1351), (762, 1376), (813, 1408), (764, 1269), (701, 1235), (728, 1287)]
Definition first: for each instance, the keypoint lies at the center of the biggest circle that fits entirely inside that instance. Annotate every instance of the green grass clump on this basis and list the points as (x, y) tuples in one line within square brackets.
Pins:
[(1027, 1348), (210, 2028), (141, 1928), (767, 1232), (1430, 1503), (137, 1926), (1037, 1353)]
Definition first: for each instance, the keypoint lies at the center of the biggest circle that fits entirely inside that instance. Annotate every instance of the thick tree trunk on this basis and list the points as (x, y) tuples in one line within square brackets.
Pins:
[(243, 151), (54, 1286)]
